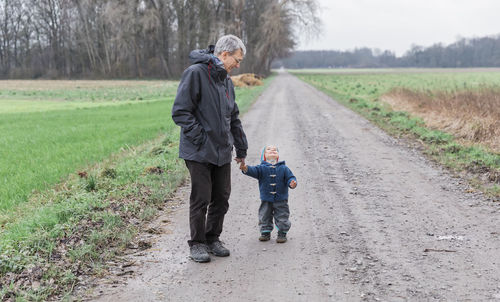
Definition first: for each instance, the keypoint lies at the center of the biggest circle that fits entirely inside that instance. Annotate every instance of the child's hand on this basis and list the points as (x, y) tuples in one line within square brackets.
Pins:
[(243, 167), (293, 184)]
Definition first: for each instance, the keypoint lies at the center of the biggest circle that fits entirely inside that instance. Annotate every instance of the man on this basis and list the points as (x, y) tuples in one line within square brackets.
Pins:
[(206, 111)]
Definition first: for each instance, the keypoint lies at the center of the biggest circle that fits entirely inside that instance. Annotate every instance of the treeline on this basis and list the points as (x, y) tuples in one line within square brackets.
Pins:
[(140, 38), (475, 52)]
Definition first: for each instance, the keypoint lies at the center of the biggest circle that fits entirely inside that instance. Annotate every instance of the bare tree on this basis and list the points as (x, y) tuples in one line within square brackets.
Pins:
[(140, 38)]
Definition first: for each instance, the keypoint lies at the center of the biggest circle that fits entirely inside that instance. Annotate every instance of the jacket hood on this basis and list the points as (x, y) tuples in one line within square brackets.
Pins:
[(206, 56), (263, 157), (200, 56)]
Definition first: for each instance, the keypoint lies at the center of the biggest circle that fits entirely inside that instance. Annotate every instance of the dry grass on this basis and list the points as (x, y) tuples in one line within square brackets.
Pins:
[(471, 115), (246, 79)]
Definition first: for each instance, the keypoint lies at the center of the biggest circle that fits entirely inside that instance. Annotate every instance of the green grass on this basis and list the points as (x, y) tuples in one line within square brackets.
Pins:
[(27, 106), (36, 96), (371, 86), (73, 225), (342, 70), (83, 90), (361, 92), (96, 223), (388, 70), (37, 149)]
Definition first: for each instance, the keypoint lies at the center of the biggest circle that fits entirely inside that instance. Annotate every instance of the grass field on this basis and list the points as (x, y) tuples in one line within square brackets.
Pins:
[(469, 90), (37, 149), (36, 96), (388, 70), (77, 182), (373, 85)]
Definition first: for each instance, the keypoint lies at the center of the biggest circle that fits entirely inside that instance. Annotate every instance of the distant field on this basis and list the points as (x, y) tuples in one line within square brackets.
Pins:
[(341, 70), (36, 96), (371, 84), (388, 70)]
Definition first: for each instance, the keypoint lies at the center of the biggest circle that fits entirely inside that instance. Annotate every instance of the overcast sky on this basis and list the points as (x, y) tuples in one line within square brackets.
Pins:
[(397, 24)]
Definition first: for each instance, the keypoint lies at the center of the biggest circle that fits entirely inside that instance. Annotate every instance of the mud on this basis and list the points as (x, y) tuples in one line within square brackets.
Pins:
[(372, 220)]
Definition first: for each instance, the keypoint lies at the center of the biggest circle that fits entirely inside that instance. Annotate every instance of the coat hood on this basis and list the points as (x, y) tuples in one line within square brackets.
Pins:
[(206, 56), (263, 157), (201, 56)]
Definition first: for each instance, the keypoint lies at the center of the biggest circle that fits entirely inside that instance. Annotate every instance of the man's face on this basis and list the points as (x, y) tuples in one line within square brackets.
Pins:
[(231, 60), (271, 153)]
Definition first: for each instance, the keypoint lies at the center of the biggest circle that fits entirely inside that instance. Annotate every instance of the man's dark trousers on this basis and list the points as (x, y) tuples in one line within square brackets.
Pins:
[(210, 190)]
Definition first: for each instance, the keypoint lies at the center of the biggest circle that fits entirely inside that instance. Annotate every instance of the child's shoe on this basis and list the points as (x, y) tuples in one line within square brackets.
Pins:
[(265, 236), (281, 237)]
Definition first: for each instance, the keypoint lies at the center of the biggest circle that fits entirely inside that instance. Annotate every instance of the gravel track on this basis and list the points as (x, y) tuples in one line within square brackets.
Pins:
[(372, 220)]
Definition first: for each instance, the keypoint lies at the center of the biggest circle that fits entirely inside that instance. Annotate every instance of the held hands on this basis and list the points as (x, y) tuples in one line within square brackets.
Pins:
[(293, 184), (243, 166)]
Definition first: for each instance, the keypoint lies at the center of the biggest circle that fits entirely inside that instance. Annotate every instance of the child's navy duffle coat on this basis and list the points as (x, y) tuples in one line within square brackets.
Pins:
[(274, 180)]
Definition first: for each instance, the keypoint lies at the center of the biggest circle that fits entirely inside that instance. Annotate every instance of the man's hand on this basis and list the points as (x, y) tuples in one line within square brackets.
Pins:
[(293, 184), (243, 166), (240, 160)]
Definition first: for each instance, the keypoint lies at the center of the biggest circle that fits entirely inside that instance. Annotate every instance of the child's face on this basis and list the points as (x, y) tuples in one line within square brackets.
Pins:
[(271, 153)]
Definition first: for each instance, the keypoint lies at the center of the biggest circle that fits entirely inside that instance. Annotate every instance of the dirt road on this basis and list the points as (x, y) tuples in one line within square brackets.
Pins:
[(372, 220)]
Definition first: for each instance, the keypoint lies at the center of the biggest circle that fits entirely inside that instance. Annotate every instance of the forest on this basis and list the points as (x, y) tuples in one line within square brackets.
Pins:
[(465, 52), (141, 38)]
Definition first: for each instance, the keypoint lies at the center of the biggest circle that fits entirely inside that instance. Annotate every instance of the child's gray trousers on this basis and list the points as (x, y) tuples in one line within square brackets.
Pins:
[(279, 211)]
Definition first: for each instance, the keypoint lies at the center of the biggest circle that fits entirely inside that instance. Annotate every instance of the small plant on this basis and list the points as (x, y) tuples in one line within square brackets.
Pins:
[(109, 173), (91, 183), (361, 104), (436, 137), (494, 191), (158, 150), (147, 213), (9, 263), (154, 170), (452, 148), (494, 176)]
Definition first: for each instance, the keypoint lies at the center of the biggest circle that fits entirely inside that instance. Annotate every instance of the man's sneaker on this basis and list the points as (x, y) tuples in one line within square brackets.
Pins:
[(281, 237), (218, 249), (265, 236), (199, 253)]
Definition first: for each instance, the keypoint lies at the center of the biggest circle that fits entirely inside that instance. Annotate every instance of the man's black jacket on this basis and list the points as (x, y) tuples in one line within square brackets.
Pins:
[(207, 113)]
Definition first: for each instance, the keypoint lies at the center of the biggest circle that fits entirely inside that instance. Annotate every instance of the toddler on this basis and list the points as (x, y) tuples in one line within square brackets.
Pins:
[(274, 180)]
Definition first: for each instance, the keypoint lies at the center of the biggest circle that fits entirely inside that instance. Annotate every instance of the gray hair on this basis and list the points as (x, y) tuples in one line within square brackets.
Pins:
[(229, 43)]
